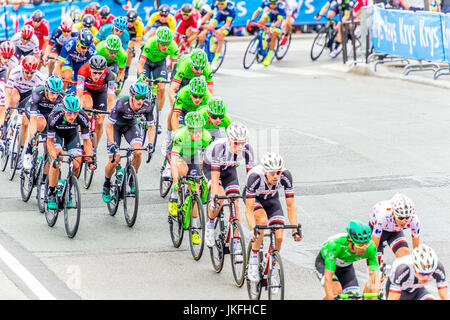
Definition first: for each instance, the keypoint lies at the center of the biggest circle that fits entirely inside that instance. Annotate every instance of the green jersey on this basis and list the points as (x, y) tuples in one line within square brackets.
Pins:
[(120, 58), (335, 252), (185, 147), (152, 53), (226, 120), (184, 72), (184, 101)]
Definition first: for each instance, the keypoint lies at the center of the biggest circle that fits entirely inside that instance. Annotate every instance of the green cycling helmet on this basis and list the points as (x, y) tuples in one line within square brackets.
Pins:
[(194, 120), (113, 43), (198, 59), (54, 84), (139, 89), (71, 103), (359, 232), (216, 106), (198, 86), (164, 35)]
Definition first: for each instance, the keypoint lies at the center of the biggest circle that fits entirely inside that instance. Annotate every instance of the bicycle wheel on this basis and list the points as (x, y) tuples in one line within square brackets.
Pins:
[(320, 42), (275, 278), (251, 53), (113, 205), (131, 196), (40, 187), (215, 66), (217, 251), (237, 254), (15, 152), (50, 215), (283, 49), (176, 223), (26, 183), (72, 207), (88, 174), (253, 287), (199, 228), (4, 156), (165, 182)]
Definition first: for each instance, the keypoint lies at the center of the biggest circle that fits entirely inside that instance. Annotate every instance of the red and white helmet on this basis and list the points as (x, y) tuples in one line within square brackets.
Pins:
[(402, 206), (66, 25), (27, 31), (7, 49), (30, 63)]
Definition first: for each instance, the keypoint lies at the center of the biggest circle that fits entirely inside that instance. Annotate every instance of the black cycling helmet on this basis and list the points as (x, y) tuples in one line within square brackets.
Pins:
[(97, 62), (132, 15), (76, 15), (164, 9), (88, 20), (187, 7), (37, 16), (96, 5), (104, 11)]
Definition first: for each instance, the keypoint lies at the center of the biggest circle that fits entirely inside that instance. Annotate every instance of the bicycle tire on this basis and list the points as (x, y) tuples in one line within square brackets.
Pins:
[(222, 57), (164, 182), (88, 174), (321, 41), (26, 184), (279, 284), (253, 288), (238, 273), (50, 215), (253, 45), (130, 214), (176, 223), (216, 252), (15, 155), (40, 198), (72, 226), (280, 55), (197, 249), (113, 205), (4, 157)]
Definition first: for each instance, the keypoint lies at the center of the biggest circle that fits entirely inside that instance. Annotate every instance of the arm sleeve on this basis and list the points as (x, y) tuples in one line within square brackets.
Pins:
[(287, 183), (253, 180)]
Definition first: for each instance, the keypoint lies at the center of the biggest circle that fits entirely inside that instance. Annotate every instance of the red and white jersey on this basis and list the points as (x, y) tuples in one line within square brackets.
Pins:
[(17, 80), (12, 63), (31, 46), (381, 218)]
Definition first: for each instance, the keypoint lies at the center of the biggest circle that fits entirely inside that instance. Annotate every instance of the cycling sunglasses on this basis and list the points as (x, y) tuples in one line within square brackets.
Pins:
[(118, 30), (215, 117), (29, 72), (197, 97), (425, 274), (402, 218), (163, 15), (361, 245), (97, 72), (198, 68), (26, 38), (186, 13), (52, 92), (71, 113), (138, 97), (275, 173), (84, 47)]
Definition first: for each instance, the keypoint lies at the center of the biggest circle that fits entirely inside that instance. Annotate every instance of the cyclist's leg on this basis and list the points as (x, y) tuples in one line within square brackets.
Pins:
[(192, 35), (160, 72), (347, 278), (212, 211), (75, 148), (260, 219), (100, 102), (320, 271), (399, 245)]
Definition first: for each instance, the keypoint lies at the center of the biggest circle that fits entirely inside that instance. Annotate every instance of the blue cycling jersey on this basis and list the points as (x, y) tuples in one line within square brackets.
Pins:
[(107, 29), (274, 14), (72, 58), (226, 14)]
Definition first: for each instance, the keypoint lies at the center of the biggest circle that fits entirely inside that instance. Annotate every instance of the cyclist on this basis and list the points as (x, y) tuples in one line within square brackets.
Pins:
[(263, 206), (8, 61), (111, 49), (189, 98), (122, 122), (104, 16), (185, 160), (152, 61), (63, 133), (188, 24), (118, 27), (41, 28), (292, 11), (206, 13), (88, 22), (274, 12), (43, 100), (336, 8), (410, 274), (224, 12), (221, 160), (334, 263), (26, 42), (76, 15), (136, 30), (162, 17), (215, 116), (96, 89), (61, 34), (74, 54)]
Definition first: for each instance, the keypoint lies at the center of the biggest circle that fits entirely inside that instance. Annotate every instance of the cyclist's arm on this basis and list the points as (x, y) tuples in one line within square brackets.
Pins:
[(323, 10), (87, 147), (328, 285), (110, 132), (249, 212), (373, 283), (292, 211), (346, 16), (256, 14), (415, 242), (173, 92), (141, 64), (375, 240), (443, 293)]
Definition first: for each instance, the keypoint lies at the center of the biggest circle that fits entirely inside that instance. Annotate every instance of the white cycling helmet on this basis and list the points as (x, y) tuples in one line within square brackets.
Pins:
[(198, 4), (402, 206), (424, 259), (272, 161), (237, 131)]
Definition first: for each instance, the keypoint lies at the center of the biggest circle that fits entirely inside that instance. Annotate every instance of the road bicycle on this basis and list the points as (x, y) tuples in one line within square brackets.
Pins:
[(68, 197), (325, 38), (210, 46), (125, 188), (258, 48), (183, 47), (88, 173), (189, 197), (227, 230), (270, 265)]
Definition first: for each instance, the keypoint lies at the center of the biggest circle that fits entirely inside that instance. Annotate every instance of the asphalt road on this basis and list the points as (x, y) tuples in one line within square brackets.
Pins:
[(348, 140)]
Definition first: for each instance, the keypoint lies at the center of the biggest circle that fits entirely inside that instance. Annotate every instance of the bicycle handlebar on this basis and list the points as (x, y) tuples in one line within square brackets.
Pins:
[(230, 197), (71, 157), (275, 227), (129, 151), (357, 295), (95, 111)]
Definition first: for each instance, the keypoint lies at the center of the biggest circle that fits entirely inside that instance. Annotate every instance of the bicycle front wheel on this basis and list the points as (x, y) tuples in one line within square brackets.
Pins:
[(251, 53), (88, 174), (283, 49), (15, 152), (72, 207), (275, 279), (41, 188), (320, 42), (217, 251), (4, 156), (238, 257), (50, 215), (26, 184), (215, 66), (165, 182), (253, 287), (197, 228), (131, 196)]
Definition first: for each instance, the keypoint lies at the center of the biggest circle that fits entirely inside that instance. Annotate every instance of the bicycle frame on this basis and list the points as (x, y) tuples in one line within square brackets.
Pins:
[(262, 28), (231, 204), (186, 182)]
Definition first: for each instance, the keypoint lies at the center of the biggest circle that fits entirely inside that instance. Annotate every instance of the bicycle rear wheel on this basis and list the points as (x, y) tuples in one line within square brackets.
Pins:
[(26, 183), (176, 223), (50, 215), (283, 49), (40, 187), (4, 156), (275, 278), (88, 174), (320, 42), (164, 182), (197, 249), (15, 152), (251, 53), (238, 257), (253, 287), (215, 66), (113, 205), (131, 196), (72, 207), (217, 251)]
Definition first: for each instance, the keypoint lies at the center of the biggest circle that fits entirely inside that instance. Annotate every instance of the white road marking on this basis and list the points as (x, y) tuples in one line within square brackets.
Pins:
[(30, 281)]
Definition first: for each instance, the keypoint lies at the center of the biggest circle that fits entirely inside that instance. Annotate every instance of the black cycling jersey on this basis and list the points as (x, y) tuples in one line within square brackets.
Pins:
[(38, 104), (122, 115), (58, 126)]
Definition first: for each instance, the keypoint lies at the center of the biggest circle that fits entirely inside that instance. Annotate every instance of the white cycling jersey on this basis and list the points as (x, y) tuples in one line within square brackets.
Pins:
[(12, 63), (381, 219), (31, 47), (292, 7), (17, 80), (219, 155)]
